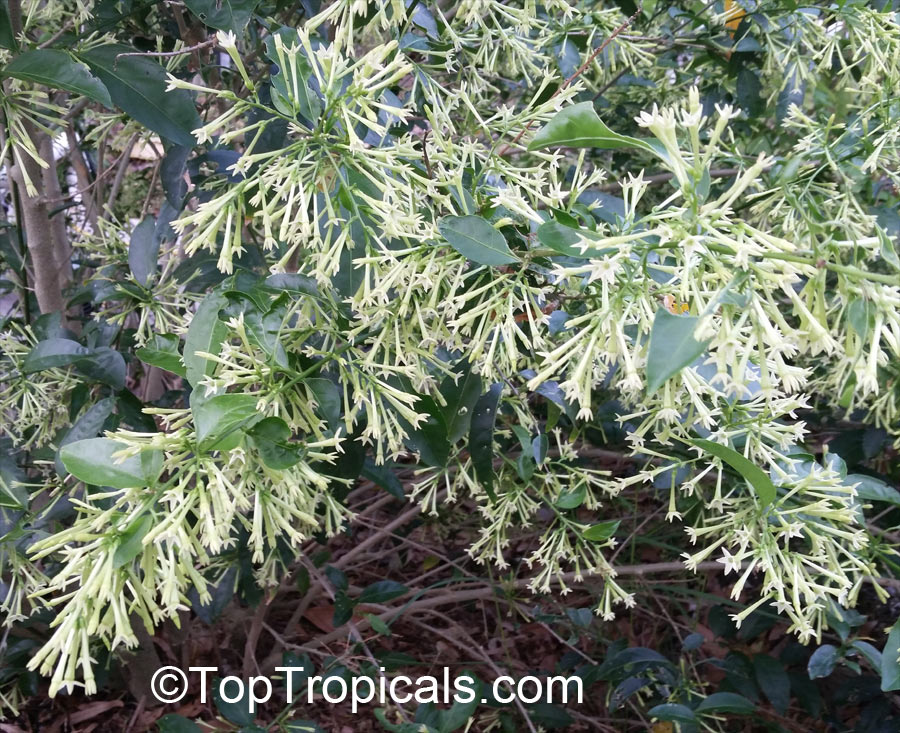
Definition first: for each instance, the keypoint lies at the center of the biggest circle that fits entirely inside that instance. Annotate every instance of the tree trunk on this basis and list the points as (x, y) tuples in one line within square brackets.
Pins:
[(47, 274)]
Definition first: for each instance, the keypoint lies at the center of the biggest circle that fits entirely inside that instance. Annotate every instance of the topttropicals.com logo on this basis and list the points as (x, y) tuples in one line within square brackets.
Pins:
[(171, 684)]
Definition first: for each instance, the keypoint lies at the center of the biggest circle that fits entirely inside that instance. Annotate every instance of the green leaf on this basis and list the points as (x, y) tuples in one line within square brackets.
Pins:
[(205, 334), (460, 394), (474, 238), (291, 93), (890, 667), (874, 657), (130, 546), (870, 488), (773, 680), (92, 461), (237, 712), (57, 70), (162, 351), (104, 365), (726, 702), (299, 678), (143, 250), (294, 283), (429, 439), (13, 492), (137, 85), (602, 531), (304, 102), (822, 661), (343, 609), (672, 347), (7, 37), (87, 426), (219, 419), (674, 712), (51, 353), (460, 712), (171, 175), (754, 475), (861, 315), (888, 253), (539, 447), (177, 724), (572, 499), (481, 437), (564, 239), (748, 92), (378, 626), (223, 15), (382, 592), (328, 400), (270, 436), (384, 476), (579, 126)]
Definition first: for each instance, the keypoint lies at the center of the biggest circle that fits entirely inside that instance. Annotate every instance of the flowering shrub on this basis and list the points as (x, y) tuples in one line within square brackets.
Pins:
[(470, 240)]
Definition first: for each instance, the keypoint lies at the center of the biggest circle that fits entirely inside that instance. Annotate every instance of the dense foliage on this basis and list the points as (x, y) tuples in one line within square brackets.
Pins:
[(566, 280)]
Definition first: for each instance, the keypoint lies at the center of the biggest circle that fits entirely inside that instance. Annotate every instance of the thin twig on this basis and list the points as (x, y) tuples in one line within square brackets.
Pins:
[(168, 54)]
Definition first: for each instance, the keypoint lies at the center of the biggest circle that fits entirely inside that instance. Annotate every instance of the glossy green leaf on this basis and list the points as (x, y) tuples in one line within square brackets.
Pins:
[(303, 670), (130, 546), (219, 419), (104, 365), (861, 315), (870, 488), (773, 680), (205, 334), (51, 353), (382, 591), (87, 426), (481, 437), (539, 447), (343, 608), (578, 126), (162, 351), (137, 85), (475, 238), (822, 661), (890, 666), (57, 70), (171, 175), (223, 15), (602, 531), (270, 436), (572, 499), (566, 240), (384, 475), (460, 395), (673, 712), (874, 657), (672, 347), (237, 712), (13, 491), (92, 461), (7, 37), (291, 93), (726, 702), (143, 250), (754, 475)]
